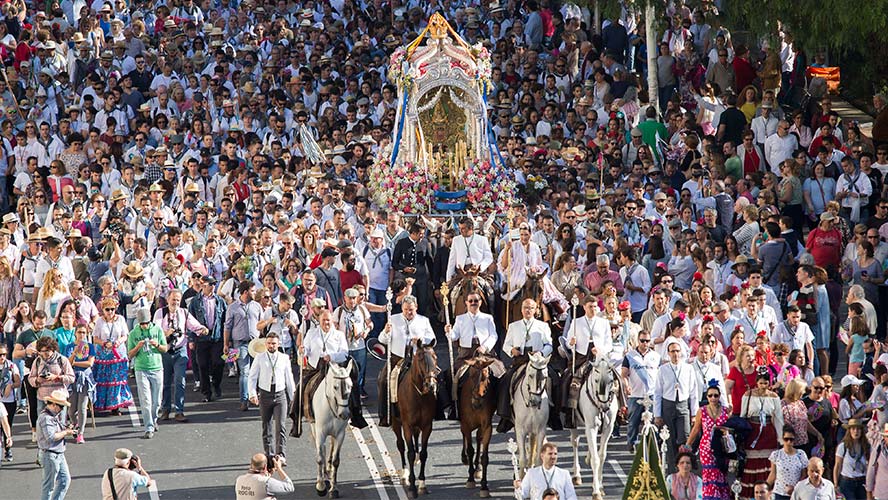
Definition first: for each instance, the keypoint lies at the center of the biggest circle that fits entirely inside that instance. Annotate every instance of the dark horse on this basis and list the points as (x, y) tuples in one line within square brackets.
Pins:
[(417, 393), (477, 398), (461, 286)]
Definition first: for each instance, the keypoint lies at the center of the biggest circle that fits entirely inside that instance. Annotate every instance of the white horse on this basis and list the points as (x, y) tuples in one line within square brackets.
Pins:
[(597, 408), (331, 414), (530, 408)]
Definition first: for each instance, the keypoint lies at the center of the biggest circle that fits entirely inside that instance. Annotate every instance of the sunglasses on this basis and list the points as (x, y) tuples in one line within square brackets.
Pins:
[(817, 388), (713, 396), (788, 438), (107, 309), (473, 301), (643, 341)]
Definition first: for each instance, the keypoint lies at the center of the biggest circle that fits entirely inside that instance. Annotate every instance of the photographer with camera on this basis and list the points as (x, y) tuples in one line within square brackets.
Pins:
[(176, 322), (121, 481), (259, 481)]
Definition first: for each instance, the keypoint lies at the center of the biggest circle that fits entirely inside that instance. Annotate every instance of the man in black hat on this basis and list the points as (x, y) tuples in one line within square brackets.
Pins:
[(209, 309)]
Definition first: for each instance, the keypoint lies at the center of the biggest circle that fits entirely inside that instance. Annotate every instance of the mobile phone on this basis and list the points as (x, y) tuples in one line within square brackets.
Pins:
[(864, 273)]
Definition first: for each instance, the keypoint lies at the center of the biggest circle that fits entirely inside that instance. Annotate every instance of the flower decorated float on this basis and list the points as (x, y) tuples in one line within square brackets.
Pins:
[(443, 158)]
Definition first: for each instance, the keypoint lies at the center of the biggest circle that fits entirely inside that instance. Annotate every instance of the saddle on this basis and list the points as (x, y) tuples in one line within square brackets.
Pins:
[(311, 386), (576, 384), (399, 371)]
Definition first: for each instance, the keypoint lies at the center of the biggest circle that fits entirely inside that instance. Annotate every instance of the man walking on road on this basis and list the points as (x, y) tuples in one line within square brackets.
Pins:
[(241, 320), (51, 434), (144, 346), (209, 310), (272, 387)]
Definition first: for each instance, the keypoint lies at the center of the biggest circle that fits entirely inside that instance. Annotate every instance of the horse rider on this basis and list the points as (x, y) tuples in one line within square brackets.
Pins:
[(322, 345), (469, 253), (589, 338), (523, 337), (520, 254), (475, 332), (545, 477), (406, 328)]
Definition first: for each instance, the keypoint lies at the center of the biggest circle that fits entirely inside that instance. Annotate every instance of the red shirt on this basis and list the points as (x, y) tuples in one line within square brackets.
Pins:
[(825, 246), (348, 279), (744, 73), (740, 387)]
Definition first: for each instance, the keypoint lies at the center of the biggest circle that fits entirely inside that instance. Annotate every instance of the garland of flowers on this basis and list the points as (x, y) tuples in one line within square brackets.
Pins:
[(487, 190), (404, 187), (536, 183)]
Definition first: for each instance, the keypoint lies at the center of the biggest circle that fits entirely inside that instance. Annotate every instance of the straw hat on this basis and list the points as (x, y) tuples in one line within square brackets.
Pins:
[(257, 347), (59, 397), (133, 270), (853, 422), (118, 194)]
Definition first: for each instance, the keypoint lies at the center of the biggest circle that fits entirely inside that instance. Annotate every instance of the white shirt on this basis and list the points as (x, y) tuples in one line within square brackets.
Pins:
[(805, 491), (636, 275), (642, 372), (797, 339), (706, 372), (521, 259), (531, 335), (475, 249), (318, 344), (676, 383), (271, 369), (403, 331), (764, 127), (469, 326), (595, 330), (538, 479), (851, 184), (778, 149)]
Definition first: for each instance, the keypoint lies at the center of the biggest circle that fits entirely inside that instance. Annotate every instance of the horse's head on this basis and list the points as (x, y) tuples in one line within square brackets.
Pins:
[(338, 388), (536, 378), (424, 371), (479, 377)]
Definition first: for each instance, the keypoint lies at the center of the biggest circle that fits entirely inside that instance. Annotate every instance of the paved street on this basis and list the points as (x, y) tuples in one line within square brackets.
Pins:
[(202, 458)]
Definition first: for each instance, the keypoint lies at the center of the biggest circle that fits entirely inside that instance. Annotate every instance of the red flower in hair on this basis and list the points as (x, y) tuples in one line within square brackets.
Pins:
[(708, 317), (744, 285), (682, 316), (698, 276), (734, 290), (761, 334)]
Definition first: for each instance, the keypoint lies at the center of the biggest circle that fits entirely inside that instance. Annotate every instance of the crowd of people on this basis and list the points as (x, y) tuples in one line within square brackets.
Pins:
[(726, 239)]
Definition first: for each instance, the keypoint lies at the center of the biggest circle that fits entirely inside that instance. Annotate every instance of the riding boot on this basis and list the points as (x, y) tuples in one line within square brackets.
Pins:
[(504, 425), (354, 406), (555, 420), (382, 384)]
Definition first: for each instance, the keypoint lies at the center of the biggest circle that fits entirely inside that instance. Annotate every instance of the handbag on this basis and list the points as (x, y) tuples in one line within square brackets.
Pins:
[(728, 442)]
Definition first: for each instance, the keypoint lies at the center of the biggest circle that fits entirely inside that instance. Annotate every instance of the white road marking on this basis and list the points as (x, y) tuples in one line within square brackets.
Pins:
[(135, 415), (386, 458), (619, 472), (371, 464), (152, 491)]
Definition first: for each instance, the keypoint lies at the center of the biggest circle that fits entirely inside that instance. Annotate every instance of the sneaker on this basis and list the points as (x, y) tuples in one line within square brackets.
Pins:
[(7, 457), (21, 410), (232, 372), (364, 394), (148, 435), (33, 436), (196, 386), (79, 439)]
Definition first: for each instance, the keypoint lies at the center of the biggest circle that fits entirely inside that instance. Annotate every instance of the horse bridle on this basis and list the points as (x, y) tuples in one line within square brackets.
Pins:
[(331, 399), (477, 397), (540, 377), (596, 396), (429, 380)]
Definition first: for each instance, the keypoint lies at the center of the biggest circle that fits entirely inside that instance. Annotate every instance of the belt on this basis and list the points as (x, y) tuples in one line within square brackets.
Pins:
[(53, 452), (856, 479)]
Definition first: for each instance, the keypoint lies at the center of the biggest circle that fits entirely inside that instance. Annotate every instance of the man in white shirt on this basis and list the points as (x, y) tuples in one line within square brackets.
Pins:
[(523, 337), (639, 373), (815, 487), (636, 282), (474, 331), (468, 251), (853, 188), (676, 400), (795, 333), (765, 125), (589, 339), (546, 476), (706, 372), (325, 344), (272, 387), (780, 147), (519, 255), (408, 329)]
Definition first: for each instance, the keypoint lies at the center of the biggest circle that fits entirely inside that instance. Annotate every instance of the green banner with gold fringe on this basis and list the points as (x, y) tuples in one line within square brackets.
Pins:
[(646, 481)]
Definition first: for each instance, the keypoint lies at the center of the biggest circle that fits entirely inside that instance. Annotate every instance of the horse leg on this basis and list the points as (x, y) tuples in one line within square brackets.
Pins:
[(575, 444), (484, 446), (521, 439), (593, 457), (399, 439), (605, 439), (321, 459), (411, 458), (477, 461), (466, 445), (423, 458), (468, 456), (334, 464)]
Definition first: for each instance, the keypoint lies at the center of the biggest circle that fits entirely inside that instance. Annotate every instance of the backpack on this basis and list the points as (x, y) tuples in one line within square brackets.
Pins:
[(807, 303)]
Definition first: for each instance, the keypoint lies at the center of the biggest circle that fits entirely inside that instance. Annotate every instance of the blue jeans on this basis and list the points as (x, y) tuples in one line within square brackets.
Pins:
[(360, 357), (56, 477), (635, 411), (149, 384), (174, 378), (376, 297), (243, 369), (852, 490)]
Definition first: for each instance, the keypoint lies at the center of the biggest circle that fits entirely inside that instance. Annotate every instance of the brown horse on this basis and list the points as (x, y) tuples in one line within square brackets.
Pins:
[(417, 403), (477, 399), (468, 282)]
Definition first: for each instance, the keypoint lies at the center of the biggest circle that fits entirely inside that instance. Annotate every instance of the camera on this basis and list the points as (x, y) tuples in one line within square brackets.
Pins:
[(115, 231), (45, 372), (270, 461), (173, 339), (133, 463)]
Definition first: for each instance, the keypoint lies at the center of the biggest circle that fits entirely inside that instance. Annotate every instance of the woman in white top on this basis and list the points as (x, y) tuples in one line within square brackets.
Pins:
[(852, 455), (52, 293), (787, 466)]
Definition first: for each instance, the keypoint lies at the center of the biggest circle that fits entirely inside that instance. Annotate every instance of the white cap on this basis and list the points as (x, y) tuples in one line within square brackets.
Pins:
[(851, 380)]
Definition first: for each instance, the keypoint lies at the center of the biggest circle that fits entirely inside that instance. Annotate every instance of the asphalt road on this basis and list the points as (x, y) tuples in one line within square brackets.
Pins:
[(202, 458)]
